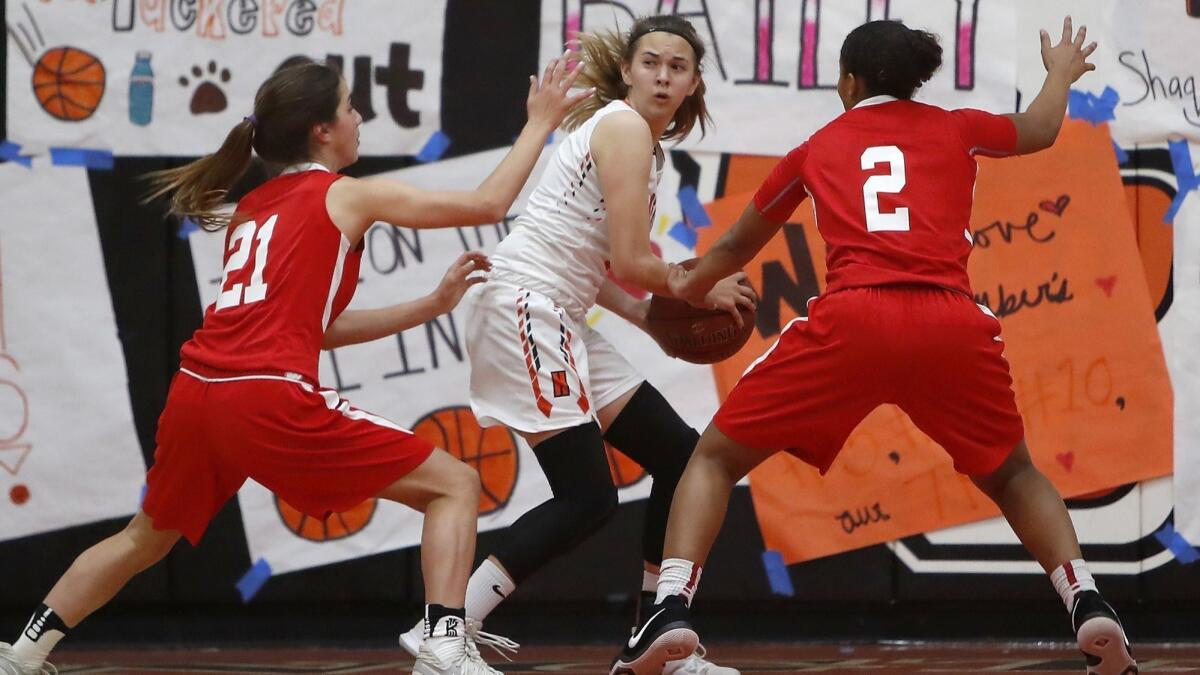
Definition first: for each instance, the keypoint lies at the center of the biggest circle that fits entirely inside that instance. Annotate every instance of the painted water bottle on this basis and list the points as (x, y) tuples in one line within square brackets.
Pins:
[(141, 90)]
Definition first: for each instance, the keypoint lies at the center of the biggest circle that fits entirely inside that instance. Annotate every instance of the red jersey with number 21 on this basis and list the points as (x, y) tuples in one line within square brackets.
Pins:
[(892, 183), (288, 273)]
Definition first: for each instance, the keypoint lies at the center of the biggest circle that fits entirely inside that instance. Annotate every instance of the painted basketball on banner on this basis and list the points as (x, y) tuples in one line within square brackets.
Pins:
[(69, 83), (625, 471), (336, 526), (492, 451)]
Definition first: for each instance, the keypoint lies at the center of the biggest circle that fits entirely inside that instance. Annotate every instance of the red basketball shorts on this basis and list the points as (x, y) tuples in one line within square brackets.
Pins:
[(932, 352), (305, 444)]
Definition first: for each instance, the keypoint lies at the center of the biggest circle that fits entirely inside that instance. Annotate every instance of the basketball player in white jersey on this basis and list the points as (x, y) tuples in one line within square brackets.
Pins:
[(536, 366)]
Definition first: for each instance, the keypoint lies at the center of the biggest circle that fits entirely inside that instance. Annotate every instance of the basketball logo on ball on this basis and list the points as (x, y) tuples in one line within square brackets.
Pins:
[(492, 451), (336, 526), (68, 83)]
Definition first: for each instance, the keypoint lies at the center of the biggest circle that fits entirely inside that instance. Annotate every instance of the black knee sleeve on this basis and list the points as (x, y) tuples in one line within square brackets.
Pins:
[(652, 434), (584, 499)]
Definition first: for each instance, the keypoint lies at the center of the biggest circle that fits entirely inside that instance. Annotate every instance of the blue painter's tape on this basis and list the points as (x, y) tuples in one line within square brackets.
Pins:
[(1087, 106), (254, 578), (1122, 156), (777, 574), (1185, 177), (434, 148), (186, 228), (684, 234), (1179, 547), (693, 210), (85, 157), (12, 152)]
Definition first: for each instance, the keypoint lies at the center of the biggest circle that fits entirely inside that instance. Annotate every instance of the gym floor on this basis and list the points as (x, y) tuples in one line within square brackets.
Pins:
[(1029, 658)]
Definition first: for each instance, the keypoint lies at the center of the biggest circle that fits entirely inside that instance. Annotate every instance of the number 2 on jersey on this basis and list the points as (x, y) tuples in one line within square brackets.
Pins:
[(889, 183), (240, 242)]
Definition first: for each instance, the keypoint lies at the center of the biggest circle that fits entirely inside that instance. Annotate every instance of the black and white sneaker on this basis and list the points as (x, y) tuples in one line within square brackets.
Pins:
[(1101, 637), (665, 635)]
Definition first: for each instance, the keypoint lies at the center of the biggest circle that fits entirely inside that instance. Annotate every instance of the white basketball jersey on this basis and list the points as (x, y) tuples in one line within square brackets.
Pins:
[(560, 246)]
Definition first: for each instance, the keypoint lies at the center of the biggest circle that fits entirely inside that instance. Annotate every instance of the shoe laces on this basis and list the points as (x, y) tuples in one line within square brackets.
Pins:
[(473, 663), (499, 644), (7, 653)]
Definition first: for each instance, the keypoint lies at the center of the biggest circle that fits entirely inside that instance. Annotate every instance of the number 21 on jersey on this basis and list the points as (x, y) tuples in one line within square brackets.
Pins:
[(240, 243), (889, 183)]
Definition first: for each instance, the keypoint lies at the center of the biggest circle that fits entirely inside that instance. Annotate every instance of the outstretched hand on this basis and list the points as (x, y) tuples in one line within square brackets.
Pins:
[(1069, 55), (458, 279), (551, 100)]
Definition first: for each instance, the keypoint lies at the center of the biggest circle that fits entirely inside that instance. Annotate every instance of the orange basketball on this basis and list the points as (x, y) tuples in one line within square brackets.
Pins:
[(694, 334), (69, 83), (625, 471), (336, 526), (492, 451)]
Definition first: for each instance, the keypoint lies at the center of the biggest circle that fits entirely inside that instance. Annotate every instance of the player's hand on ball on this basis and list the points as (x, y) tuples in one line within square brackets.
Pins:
[(679, 283), (458, 279), (730, 293)]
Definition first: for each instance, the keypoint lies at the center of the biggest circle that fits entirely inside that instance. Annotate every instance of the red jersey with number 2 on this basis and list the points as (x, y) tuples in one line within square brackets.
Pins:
[(892, 183), (288, 273)]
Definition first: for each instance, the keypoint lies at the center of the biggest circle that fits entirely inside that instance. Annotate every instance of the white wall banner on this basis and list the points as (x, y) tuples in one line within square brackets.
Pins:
[(772, 66), (171, 77), (1181, 335), (69, 454), (419, 379)]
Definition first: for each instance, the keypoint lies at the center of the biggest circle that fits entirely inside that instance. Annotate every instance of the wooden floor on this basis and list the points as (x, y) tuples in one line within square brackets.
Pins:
[(941, 658)]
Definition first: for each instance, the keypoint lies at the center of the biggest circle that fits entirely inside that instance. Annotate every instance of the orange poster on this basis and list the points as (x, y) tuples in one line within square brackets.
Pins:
[(1056, 260)]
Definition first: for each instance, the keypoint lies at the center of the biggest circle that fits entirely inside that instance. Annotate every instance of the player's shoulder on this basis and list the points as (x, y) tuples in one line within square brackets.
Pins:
[(623, 122)]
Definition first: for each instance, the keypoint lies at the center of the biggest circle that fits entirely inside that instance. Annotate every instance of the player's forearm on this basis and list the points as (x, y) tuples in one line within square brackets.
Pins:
[(1038, 126), (726, 257), (614, 298), (364, 325), (499, 190), (644, 270)]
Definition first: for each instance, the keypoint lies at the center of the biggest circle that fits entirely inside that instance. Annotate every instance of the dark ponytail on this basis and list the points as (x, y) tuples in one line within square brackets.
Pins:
[(298, 96), (891, 58)]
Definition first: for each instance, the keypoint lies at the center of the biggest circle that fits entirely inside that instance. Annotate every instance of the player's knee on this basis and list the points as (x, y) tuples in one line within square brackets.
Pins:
[(1018, 463), (146, 544), (651, 433), (595, 507), (464, 482)]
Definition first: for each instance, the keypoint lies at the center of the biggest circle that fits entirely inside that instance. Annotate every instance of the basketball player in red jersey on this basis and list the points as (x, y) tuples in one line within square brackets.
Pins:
[(246, 402), (891, 181)]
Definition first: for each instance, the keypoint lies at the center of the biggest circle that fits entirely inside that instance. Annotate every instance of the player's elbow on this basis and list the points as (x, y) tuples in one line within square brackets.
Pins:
[(1037, 134)]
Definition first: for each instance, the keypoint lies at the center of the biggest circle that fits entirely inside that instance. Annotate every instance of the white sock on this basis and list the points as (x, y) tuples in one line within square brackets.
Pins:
[(39, 637), (1070, 579), (649, 581), (486, 589), (677, 577)]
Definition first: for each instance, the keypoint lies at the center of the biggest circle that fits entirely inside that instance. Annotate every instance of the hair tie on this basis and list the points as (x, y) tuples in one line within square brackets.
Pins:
[(252, 119)]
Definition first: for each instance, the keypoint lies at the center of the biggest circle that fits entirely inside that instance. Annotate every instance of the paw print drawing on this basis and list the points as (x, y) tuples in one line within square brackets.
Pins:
[(208, 96)]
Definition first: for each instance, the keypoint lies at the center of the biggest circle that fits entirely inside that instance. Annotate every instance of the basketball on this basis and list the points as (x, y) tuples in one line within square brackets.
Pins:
[(69, 83), (492, 451), (336, 526), (694, 334)]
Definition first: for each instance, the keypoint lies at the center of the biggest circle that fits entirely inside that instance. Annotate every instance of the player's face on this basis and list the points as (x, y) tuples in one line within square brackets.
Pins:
[(661, 74), (345, 128)]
